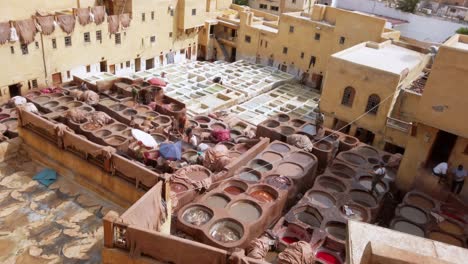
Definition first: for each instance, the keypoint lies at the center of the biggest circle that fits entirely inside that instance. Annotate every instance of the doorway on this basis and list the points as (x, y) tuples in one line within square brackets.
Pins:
[(233, 54), (392, 148), (56, 78), (342, 126), (441, 148), (317, 81), (365, 135), (14, 89), (150, 63), (188, 55), (161, 60), (112, 68), (137, 64), (103, 66)]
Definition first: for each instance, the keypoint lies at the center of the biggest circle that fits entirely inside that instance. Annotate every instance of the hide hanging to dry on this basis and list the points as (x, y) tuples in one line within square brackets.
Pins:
[(99, 13), (46, 23), (83, 16), (125, 20), (113, 24), (67, 23), (26, 30), (4, 32)]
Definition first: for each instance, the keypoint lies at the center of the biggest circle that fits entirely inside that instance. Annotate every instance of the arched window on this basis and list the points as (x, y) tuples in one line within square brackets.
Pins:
[(373, 104), (348, 96)]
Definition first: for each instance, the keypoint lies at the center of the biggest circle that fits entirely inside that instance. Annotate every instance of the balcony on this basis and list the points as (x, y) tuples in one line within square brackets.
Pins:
[(227, 40), (400, 125)]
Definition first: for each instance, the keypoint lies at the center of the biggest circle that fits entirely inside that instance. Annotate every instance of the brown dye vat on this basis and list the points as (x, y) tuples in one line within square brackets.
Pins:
[(359, 213), (323, 146), (367, 151), (331, 184), (283, 118), (61, 109), (279, 182), (278, 147), (245, 210), (342, 171), (229, 145), (297, 122), (190, 156), (199, 175), (445, 238), (250, 175), (366, 182), (420, 201), (302, 157), (234, 190), (130, 112), (260, 165), (65, 99), (55, 95), (242, 148), (107, 102), (126, 133), (32, 95), (87, 108), (321, 199), (353, 158), (234, 154), (290, 169), (118, 107), (451, 228), (193, 123), (151, 114), (227, 231), (272, 123), (264, 193), (129, 103), (363, 198), (159, 137), (74, 104), (218, 126), (103, 133), (42, 99), (162, 120), (271, 156), (197, 215), (413, 214), (11, 124), (217, 201), (373, 161), (286, 130), (4, 116), (178, 188), (337, 230), (51, 104), (235, 187), (91, 126), (117, 127), (115, 140), (309, 216), (202, 119), (142, 109), (350, 140), (409, 228), (234, 133)]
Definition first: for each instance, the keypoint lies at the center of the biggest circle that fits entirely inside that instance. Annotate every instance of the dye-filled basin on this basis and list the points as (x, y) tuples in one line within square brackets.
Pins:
[(278, 147), (42, 99), (309, 216), (353, 158), (407, 227), (178, 187), (115, 140), (413, 214), (235, 187), (11, 124), (368, 151), (117, 127), (278, 181), (260, 165), (227, 144), (321, 199), (290, 169), (373, 161), (217, 201), (336, 230), (202, 119), (91, 126), (126, 133), (331, 184), (199, 175), (234, 133), (342, 171), (302, 157), (445, 238), (354, 212), (159, 137), (51, 104), (87, 108), (271, 156), (227, 231), (282, 118), (323, 146), (61, 109), (162, 120), (420, 201), (451, 227), (363, 198), (250, 175), (239, 126), (74, 104), (65, 99), (264, 193), (130, 112), (102, 133), (286, 130), (366, 182), (118, 107), (245, 210), (309, 129), (295, 233), (190, 156), (297, 122), (197, 215), (325, 256), (218, 126)]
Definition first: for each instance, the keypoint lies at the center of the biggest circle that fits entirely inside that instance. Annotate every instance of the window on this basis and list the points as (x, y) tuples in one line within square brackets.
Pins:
[(117, 39), (143, 17), (291, 29), (194, 12), (261, 42), (99, 36), (266, 44), (153, 39), (68, 41), (302, 55), (285, 50), (152, 15), (348, 96), (373, 104), (88, 68), (317, 36), (54, 43), (172, 12), (127, 64), (312, 61), (274, 8), (34, 83), (170, 34), (248, 39), (225, 29), (263, 6), (293, 1), (68, 75), (121, 65), (87, 37), (342, 40), (12, 50), (24, 49), (37, 44)]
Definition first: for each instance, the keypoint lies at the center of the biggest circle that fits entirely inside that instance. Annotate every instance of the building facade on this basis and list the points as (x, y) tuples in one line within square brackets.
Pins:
[(281, 6)]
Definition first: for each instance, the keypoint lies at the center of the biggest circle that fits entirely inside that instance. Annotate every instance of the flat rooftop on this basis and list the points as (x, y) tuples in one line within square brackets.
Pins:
[(458, 42), (384, 56)]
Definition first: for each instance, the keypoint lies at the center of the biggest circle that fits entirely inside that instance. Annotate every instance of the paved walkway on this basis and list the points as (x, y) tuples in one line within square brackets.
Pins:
[(59, 224)]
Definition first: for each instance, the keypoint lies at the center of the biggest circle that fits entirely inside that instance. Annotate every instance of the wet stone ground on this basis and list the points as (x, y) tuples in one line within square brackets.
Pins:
[(58, 224)]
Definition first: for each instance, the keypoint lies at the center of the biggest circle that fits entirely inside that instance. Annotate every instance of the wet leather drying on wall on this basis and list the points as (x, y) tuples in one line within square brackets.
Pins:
[(67, 23), (217, 158), (125, 20), (300, 141), (46, 23), (113, 24), (83, 16), (4, 32), (26, 30), (99, 13)]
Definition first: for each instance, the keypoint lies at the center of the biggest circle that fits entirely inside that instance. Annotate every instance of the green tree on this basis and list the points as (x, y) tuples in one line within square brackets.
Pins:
[(462, 30), (407, 5), (241, 2)]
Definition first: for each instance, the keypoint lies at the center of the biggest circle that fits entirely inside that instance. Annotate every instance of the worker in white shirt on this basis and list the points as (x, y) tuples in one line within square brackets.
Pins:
[(459, 175), (378, 174), (441, 171)]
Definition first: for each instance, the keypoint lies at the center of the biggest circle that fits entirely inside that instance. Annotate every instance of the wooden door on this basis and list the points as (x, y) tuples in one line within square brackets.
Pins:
[(112, 68), (57, 78)]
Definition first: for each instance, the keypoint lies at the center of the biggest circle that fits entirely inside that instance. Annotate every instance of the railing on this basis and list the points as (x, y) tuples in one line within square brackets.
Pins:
[(399, 124)]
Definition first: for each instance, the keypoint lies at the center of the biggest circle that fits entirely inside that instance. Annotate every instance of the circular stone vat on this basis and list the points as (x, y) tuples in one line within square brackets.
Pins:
[(197, 215), (309, 129), (386, 158), (130, 112), (451, 227), (90, 126), (217, 201), (420, 201), (290, 169), (235, 187), (342, 171), (118, 107), (51, 104), (74, 104), (283, 118), (202, 119), (250, 175), (278, 147), (413, 214), (190, 156), (337, 230), (366, 182), (323, 146), (218, 126), (271, 156), (326, 256), (272, 123), (42, 99), (321, 199), (143, 109), (151, 114), (302, 157), (162, 120), (373, 161), (178, 187), (115, 140), (286, 130), (234, 133), (353, 158), (102, 133), (87, 108), (409, 228), (234, 154), (356, 212), (11, 124), (199, 175), (227, 144), (350, 140), (61, 109), (227, 231), (117, 127), (331, 184), (193, 123), (279, 182), (309, 216), (126, 133), (264, 193), (297, 122), (65, 99), (245, 210), (445, 238), (363, 198), (4, 116), (368, 151), (260, 165), (159, 137), (294, 233)]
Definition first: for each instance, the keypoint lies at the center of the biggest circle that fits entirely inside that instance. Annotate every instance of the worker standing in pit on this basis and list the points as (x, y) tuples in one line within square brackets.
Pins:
[(378, 174)]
